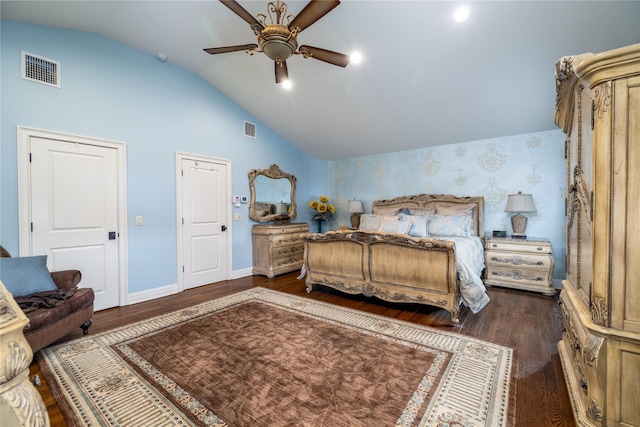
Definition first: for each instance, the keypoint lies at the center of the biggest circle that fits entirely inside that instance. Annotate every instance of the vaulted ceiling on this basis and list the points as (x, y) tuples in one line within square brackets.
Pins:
[(424, 81)]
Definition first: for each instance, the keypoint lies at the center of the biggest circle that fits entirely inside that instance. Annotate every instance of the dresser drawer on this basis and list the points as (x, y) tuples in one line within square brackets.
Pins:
[(292, 261), (288, 250), (287, 239), (277, 230), (518, 276), (510, 246), (519, 260)]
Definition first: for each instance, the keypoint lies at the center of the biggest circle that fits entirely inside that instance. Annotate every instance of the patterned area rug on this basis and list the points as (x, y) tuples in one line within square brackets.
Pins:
[(265, 358)]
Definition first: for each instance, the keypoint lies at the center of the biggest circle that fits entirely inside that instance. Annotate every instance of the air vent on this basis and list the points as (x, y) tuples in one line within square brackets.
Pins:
[(40, 69), (250, 129)]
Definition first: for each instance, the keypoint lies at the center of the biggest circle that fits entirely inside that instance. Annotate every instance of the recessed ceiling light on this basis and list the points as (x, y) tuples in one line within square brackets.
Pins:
[(286, 84), (355, 58), (461, 14)]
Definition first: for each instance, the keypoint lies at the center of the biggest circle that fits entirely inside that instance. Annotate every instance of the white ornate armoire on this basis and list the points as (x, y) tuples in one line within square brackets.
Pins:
[(598, 107), (20, 402)]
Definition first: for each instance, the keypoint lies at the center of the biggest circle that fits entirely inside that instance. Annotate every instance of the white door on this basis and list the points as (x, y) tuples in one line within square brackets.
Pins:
[(74, 212), (204, 206)]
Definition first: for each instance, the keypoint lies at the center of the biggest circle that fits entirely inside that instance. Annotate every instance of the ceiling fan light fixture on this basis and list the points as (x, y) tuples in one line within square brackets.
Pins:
[(461, 14), (277, 34), (355, 58), (277, 42)]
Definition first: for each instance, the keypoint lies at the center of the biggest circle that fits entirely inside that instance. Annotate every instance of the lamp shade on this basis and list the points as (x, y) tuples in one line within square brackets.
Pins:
[(281, 208), (355, 206), (520, 203)]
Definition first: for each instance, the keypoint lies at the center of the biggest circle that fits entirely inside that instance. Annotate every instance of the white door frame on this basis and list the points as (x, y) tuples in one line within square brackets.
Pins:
[(229, 236), (24, 194)]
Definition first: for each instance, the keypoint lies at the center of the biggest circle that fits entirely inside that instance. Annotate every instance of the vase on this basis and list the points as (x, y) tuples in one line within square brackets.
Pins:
[(319, 229)]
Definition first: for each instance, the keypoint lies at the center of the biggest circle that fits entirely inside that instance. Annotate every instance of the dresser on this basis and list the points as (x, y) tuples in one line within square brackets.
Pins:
[(525, 264), (278, 249), (598, 108)]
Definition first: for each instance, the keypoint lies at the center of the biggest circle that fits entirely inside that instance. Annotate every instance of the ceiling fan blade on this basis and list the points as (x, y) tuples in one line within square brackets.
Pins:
[(225, 49), (329, 56), (313, 11), (242, 13), (281, 71)]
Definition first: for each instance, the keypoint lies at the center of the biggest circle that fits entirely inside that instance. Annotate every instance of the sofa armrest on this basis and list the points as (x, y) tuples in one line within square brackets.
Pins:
[(66, 279)]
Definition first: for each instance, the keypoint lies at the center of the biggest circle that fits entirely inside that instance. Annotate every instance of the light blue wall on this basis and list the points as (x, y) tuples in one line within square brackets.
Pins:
[(532, 163), (114, 92)]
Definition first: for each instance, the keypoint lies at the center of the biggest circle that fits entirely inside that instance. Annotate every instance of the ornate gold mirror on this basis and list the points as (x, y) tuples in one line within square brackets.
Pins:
[(273, 195)]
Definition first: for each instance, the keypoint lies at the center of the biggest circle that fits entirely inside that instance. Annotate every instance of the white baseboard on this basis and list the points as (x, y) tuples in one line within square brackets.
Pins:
[(150, 294), (237, 274), (167, 290)]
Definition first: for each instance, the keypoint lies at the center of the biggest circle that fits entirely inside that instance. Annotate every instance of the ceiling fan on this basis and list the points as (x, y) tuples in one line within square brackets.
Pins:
[(279, 40)]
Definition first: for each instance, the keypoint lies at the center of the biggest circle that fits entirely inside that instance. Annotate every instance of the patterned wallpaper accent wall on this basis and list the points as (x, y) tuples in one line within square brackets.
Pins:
[(494, 168)]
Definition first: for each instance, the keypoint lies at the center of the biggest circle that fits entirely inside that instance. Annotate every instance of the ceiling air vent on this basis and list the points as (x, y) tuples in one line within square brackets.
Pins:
[(40, 69), (249, 129)]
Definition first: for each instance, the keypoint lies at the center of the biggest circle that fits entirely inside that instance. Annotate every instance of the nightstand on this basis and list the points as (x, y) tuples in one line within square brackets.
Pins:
[(525, 264)]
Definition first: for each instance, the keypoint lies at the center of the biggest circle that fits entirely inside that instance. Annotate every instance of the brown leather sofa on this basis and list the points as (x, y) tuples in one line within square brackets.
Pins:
[(49, 324)]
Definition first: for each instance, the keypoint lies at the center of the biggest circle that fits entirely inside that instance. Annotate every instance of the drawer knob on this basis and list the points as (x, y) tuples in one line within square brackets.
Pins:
[(540, 248), (494, 245)]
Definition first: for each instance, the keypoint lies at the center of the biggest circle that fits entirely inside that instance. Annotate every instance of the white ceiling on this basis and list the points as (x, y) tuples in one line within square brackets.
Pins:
[(424, 81)]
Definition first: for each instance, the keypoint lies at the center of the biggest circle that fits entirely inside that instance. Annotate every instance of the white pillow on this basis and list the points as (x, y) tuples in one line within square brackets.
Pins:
[(394, 224), (421, 211), (370, 221), (418, 225), (456, 208), (450, 225), (387, 210)]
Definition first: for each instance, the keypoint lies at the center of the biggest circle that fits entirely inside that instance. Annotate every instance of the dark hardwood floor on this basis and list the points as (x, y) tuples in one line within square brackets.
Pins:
[(527, 322)]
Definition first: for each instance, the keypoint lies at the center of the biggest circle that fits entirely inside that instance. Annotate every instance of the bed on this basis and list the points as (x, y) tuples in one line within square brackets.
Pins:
[(436, 260)]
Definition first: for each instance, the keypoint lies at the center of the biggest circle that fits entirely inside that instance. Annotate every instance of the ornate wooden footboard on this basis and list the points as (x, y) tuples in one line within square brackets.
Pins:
[(393, 267)]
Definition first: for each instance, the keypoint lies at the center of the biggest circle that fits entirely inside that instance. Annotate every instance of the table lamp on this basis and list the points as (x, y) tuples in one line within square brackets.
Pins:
[(355, 208), (282, 208), (519, 203)]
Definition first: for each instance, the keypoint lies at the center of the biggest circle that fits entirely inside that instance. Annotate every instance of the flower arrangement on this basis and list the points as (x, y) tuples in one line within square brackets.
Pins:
[(322, 209)]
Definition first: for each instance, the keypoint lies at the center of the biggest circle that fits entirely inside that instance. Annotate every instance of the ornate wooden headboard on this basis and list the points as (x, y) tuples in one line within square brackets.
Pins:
[(431, 200)]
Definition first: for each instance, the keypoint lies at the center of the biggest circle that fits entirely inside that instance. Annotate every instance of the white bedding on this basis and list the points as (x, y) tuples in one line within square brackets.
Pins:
[(469, 251), (469, 265)]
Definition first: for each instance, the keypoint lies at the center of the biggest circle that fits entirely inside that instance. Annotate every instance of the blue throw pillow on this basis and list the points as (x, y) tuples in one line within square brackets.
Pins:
[(26, 275)]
